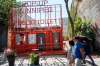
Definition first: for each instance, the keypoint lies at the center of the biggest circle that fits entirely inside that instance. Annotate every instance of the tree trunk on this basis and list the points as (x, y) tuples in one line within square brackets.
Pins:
[(70, 18)]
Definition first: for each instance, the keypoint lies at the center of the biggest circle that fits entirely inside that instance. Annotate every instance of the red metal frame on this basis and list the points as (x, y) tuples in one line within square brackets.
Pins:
[(16, 28)]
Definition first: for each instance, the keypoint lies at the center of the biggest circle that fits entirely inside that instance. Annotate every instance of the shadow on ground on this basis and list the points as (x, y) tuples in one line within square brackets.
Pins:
[(87, 61)]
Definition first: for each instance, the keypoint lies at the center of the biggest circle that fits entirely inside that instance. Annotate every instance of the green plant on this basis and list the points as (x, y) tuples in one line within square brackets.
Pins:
[(83, 27), (34, 59)]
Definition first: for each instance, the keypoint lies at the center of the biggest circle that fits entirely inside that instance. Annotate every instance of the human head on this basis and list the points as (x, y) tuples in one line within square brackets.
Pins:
[(76, 39), (86, 40), (71, 43)]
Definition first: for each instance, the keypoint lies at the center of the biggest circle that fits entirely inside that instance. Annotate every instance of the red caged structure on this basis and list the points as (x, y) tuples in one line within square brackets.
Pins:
[(36, 27)]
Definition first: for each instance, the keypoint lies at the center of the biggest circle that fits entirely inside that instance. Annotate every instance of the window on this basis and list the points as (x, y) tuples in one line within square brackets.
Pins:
[(32, 38), (18, 39)]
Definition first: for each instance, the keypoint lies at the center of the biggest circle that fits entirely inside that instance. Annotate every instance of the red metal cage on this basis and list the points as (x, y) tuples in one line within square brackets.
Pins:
[(37, 27)]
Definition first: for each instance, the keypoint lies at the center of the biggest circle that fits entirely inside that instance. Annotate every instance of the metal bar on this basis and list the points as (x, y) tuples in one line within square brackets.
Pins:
[(40, 15), (61, 42), (61, 16), (55, 15)]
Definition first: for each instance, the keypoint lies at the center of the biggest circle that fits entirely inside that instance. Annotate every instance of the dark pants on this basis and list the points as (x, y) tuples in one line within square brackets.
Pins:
[(11, 60), (89, 56)]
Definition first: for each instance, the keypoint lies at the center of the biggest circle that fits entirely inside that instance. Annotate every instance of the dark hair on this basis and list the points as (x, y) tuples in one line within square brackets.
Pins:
[(77, 37), (86, 40), (71, 43)]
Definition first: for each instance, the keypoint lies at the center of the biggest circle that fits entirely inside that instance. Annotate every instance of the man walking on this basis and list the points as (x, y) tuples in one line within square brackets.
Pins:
[(78, 51)]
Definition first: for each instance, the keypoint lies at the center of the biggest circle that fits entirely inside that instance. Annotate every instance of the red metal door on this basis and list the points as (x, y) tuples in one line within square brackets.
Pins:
[(41, 41), (56, 40)]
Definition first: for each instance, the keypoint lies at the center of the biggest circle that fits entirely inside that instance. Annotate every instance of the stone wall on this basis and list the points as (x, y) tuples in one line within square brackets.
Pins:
[(90, 10)]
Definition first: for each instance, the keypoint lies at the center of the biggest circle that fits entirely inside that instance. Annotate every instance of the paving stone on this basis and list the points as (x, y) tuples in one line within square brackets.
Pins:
[(48, 61)]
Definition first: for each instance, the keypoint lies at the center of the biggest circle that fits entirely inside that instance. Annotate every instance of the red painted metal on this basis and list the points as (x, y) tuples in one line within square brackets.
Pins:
[(42, 23)]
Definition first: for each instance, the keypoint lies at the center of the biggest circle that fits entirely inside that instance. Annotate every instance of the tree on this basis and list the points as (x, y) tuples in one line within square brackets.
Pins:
[(70, 18), (72, 15), (84, 28), (5, 6)]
